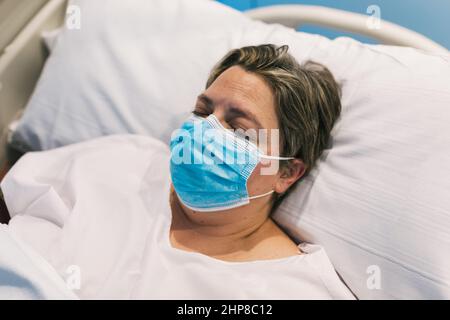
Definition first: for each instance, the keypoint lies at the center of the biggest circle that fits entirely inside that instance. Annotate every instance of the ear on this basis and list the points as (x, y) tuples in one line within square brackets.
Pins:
[(289, 174)]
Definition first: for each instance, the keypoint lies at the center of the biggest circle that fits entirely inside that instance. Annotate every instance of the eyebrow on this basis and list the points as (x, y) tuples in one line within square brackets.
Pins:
[(236, 110)]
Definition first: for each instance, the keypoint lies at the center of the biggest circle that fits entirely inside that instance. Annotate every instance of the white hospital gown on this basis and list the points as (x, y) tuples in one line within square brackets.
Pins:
[(101, 209)]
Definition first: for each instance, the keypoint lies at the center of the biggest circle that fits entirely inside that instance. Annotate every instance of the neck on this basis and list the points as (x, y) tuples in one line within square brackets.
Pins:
[(219, 233)]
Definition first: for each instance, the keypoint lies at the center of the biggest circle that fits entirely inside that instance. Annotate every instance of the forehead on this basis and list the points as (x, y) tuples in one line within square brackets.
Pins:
[(246, 90)]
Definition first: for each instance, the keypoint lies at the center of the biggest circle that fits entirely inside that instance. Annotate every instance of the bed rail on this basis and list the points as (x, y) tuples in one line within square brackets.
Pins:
[(386, 32)]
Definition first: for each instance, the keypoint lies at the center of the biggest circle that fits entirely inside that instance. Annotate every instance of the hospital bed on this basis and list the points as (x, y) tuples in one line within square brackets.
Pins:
[(366, 205), (23, 59)]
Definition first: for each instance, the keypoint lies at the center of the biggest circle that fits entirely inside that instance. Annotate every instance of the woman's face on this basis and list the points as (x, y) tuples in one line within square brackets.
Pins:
[(244, 101)]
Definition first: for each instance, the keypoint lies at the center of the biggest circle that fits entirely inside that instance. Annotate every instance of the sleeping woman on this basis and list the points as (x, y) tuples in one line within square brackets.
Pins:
[(141, 220)]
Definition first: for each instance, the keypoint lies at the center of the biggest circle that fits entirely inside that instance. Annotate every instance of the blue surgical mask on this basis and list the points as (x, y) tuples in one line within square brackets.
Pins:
[(210, 165)]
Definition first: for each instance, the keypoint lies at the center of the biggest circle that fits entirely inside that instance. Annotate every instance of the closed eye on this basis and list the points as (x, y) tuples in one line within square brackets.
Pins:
[(235, 125), (205, 112), (201, 112)]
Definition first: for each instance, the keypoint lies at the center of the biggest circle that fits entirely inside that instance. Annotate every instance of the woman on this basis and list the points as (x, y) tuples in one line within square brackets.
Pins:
[(221, 241), (256, 88)]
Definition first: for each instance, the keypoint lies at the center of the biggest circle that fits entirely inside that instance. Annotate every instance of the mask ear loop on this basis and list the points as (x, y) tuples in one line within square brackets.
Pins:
[(270, 158), (275, 157), (261, 195), (267, 157)]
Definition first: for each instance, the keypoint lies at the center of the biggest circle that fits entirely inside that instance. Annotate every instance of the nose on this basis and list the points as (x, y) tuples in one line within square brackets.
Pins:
[(220, 114)]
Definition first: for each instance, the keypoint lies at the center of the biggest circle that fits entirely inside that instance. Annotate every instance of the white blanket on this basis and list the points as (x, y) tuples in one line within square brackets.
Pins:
[(26, 275), (102, 207)]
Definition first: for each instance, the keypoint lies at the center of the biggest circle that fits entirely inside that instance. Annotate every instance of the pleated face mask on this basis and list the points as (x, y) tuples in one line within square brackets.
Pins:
[(210, 165)]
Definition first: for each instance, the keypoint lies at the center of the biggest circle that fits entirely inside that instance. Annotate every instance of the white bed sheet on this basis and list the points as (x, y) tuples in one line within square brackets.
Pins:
[(24, 274), (103, 206), (378, 198)]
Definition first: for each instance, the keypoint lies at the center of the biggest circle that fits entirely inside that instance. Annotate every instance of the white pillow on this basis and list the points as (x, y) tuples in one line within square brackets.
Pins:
[(377, 201)]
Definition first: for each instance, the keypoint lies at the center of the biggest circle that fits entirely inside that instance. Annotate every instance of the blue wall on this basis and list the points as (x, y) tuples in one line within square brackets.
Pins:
[(429, 17)]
